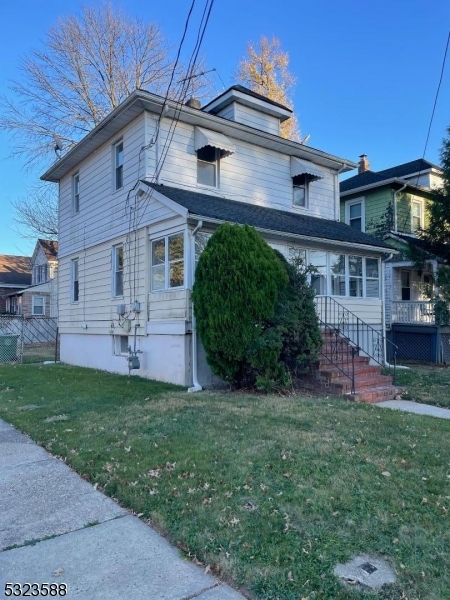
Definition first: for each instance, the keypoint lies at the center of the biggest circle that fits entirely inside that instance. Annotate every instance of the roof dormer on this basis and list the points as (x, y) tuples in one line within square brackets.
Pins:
[(244, 106)]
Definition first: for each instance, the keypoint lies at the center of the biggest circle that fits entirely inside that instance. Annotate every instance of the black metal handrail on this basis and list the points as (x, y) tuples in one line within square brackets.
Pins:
[(339, 352), (360, 335)]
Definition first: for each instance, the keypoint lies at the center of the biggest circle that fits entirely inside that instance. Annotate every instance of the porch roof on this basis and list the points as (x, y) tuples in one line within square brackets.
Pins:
[(218, 209)]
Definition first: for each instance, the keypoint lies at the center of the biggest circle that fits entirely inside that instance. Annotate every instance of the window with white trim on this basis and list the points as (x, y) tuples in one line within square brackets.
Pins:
[(168, 262), (118, 165), (300, 190), (38, 306), (117, 265), (75, 285), (355, 276), (405, 280), (208, 166), (372, 278), (40, 274), (76, 193), (355, 214), (121, 344), (416, 216), (337, 272), (319, 279)]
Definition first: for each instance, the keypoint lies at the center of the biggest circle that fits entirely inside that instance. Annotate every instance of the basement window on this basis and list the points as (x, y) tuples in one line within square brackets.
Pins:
[(121, 345)]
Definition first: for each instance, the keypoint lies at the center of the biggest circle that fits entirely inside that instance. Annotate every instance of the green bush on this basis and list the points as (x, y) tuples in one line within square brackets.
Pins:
[(255, 311), (237, 284)]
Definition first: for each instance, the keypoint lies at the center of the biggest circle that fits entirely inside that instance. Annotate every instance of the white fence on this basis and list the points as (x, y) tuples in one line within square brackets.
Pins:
[(414, 313)]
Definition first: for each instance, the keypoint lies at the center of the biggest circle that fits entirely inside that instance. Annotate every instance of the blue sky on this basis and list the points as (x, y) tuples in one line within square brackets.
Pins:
[(367, 73)]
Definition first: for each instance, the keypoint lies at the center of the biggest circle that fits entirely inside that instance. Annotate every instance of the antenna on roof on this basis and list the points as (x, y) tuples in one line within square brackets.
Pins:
[(305, 139)]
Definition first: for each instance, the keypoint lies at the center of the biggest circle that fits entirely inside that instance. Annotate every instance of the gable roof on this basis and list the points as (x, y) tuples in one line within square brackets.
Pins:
[(50, 248), (214, 208), (391, 175), (15, 270)]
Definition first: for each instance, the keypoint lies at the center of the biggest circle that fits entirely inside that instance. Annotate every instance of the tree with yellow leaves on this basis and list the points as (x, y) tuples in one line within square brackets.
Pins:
[(265, 71)]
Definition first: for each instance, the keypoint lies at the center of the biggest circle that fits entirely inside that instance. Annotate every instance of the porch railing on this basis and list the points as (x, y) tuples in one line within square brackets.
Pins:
[(341, 323), (413, 312)]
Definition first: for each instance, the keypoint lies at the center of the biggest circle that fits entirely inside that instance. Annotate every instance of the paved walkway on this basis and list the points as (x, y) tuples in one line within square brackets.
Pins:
[(416, 407), (56, 528)]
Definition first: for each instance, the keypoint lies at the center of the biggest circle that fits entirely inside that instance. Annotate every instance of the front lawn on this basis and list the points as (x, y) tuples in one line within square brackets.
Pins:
[(429, 384), (268, 491)]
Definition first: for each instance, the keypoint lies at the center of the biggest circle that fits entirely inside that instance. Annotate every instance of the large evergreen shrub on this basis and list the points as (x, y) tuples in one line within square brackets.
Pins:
[(237, 283), (255, 312)]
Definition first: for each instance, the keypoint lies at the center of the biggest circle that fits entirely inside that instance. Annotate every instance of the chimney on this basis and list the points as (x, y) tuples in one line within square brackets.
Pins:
[(193, 103), (363, 164)]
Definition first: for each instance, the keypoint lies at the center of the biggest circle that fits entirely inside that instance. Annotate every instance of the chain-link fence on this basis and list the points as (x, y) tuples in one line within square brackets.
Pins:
[(28, 340)]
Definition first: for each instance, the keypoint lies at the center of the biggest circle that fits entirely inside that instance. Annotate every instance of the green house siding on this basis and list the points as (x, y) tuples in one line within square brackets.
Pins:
[(376, 205)]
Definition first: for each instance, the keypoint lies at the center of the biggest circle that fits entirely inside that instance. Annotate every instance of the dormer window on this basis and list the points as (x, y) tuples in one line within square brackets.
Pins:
[(210, 146), (300, 190), (208, 166), (303, 173)]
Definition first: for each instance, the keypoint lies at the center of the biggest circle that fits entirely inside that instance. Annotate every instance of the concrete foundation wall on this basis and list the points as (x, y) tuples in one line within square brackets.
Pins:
[(164, 357)]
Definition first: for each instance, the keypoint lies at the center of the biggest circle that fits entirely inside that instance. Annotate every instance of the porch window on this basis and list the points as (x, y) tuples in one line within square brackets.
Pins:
[(405, 277), (168, 262), (38, 306), (319, 279), (201, 239), (355, 281), (372, 278), (337, 271)]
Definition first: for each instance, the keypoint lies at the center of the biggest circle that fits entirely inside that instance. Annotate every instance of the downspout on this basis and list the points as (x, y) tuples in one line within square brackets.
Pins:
[(196, 387), (383, 314), (395, 206), (337, 212)]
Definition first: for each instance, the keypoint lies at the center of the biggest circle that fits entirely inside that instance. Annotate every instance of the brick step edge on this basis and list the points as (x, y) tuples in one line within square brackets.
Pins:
[(374, 395)]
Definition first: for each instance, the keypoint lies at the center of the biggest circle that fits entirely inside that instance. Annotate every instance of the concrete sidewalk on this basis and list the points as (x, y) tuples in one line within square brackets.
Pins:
[(56, 528), (416, 408)]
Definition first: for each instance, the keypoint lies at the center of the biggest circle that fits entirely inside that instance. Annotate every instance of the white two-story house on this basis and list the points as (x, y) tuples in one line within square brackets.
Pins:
[(141, 193)]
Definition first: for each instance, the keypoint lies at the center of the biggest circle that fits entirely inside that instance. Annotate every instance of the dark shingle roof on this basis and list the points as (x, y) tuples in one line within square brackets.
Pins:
[(15, 270), (249, 92), (370, 177), (50, 248), (261, 217)]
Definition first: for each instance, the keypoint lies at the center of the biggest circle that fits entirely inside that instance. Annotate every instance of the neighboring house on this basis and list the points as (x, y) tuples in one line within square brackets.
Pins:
[(15, 275), (40, 299), (143, 191), (392, 204)]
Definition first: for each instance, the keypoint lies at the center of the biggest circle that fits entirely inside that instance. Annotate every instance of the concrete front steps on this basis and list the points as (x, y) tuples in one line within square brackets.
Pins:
[(370, 385)]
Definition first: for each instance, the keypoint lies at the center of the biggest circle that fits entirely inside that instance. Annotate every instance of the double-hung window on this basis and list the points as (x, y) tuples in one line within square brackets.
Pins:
[(416, 216), (355, 279), (38, 306), (345, 275), (117, 260), (76, 193), (168, 262), (318, 259), (372, 278), (405, 280), (75, 291), (337, 271), (354, 214), (208, 166), (118, 165), (300, 190)]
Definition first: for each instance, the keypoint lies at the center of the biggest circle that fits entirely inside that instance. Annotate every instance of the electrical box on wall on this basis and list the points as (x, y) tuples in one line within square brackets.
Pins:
[(136, 306), (121, 309)]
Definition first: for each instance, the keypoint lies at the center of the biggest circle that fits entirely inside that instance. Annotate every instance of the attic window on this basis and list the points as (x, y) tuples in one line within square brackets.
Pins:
[(300, 190)]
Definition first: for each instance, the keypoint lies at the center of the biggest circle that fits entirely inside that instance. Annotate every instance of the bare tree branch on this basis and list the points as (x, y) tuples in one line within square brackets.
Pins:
[(36, 215)]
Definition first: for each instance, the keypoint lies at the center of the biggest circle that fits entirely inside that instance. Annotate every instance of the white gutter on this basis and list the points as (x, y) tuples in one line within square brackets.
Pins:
[(376, 184), (196, 387), (395, 206), (337, 201)]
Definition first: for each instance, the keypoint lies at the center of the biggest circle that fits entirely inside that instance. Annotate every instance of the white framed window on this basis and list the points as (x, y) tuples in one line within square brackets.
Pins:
[(75, 284), (38, 306), (405, 281), (118, 165), (40, 274), (416, 215), (345, 275), (355, 213), (76, 193), (300, 190), (120, 345), (208, 166), (168, 262), (117, 271), (372, 278)]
